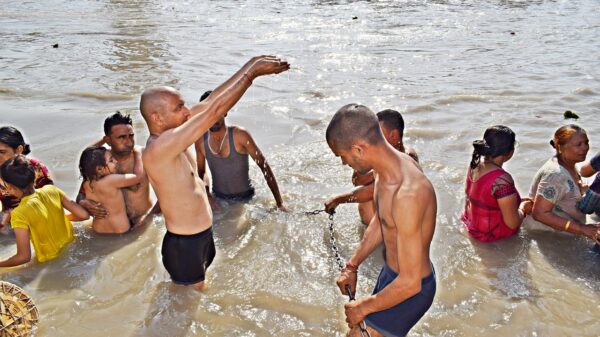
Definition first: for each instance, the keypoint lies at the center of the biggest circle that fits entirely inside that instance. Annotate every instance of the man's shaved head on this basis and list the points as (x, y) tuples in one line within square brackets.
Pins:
[(351, 123), (153, 100)]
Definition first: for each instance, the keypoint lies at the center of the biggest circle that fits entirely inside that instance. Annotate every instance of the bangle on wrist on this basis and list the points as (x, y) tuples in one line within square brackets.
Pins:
[(567, 225), (351, 267)]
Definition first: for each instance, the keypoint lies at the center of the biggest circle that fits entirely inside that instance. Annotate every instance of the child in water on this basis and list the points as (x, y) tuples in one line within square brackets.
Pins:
[(103, 185), (40, 216)]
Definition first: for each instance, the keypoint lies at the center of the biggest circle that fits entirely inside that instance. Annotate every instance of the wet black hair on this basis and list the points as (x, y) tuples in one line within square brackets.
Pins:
[(90, 159), (18, 172), (116, 119), (497, 140), (392, 120), (353, 122), (13, 138), (205, 95)]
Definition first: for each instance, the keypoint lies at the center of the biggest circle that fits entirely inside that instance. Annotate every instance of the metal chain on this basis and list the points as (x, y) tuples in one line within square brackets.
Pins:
[(338, 257), (336, 252), (340, 262)]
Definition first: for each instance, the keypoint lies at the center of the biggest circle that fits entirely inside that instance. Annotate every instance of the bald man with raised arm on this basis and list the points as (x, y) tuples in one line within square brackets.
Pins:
[(188, 247), (404, 221)]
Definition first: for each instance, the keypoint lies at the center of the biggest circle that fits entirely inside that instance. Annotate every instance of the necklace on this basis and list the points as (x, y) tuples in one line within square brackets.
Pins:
[(220, 145)]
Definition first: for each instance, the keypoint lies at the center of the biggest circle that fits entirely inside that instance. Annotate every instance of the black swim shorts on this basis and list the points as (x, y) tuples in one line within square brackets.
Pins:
[(186, 257)]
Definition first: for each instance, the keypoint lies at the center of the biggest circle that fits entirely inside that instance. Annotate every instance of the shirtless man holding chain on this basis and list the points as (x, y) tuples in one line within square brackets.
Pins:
[(188, 246), (405, 215)]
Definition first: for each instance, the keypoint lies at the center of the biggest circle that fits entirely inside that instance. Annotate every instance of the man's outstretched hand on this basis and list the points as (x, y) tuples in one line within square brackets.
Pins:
[(266, 65)]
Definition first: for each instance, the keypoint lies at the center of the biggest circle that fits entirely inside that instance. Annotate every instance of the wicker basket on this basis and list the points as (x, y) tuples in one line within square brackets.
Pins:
[(18, 314)]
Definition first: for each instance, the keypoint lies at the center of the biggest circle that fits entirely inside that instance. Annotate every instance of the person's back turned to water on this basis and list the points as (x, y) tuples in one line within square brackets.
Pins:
[(40, 217), (493, 206)]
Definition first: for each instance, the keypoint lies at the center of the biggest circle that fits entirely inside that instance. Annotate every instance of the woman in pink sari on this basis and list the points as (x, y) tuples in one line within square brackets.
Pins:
[(493, 208)]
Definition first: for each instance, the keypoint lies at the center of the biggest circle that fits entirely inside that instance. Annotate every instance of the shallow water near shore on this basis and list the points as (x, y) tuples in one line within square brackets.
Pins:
[(452, 68)]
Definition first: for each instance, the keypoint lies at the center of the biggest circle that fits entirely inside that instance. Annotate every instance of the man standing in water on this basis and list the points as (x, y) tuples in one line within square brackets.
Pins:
[(405, 205), (188, 247), (226, 150), (119, 135)]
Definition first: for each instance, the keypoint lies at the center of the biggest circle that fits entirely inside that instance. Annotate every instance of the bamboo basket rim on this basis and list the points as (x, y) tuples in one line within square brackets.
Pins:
[(18, 310)]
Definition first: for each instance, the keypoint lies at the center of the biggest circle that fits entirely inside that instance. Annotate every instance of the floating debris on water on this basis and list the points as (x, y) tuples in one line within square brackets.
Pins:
[(570, 114), (55, 45)]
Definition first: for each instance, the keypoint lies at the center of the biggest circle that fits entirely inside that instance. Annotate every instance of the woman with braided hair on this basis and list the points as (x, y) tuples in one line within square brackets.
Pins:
[(493, 208)]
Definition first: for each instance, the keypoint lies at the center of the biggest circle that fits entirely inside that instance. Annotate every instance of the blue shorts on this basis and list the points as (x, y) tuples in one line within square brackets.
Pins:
[(399, 319)]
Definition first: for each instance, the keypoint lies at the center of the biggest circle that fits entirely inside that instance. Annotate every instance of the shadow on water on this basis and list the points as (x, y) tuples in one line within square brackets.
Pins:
[(570, 255), (77, 264), (171, 311), (506, 265)]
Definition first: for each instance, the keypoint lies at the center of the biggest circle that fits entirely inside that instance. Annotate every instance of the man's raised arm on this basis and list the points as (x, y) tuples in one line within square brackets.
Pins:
[(221, 100)]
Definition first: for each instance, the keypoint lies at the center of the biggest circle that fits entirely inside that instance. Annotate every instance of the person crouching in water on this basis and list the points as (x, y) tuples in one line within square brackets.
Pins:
[(103, 185), (493, 208), (39, 217)]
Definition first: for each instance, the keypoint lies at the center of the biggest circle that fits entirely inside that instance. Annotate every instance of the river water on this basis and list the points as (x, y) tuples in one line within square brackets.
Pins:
[(452, 68)]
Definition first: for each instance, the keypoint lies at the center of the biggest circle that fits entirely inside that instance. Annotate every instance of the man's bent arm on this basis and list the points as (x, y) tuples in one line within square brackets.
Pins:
[(362, 179), (23, 254), (360, 194), (272, 182), (254, 152), (371, 239)]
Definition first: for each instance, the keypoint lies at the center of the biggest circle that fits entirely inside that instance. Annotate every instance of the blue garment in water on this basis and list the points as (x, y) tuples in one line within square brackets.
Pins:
[(398, 320)]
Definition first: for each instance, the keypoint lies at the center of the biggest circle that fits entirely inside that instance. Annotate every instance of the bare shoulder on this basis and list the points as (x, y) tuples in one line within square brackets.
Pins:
[(409, 150), (415, 189), (240, 133), (152, 148), (87, 187), (243, 140), (108, 182)]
